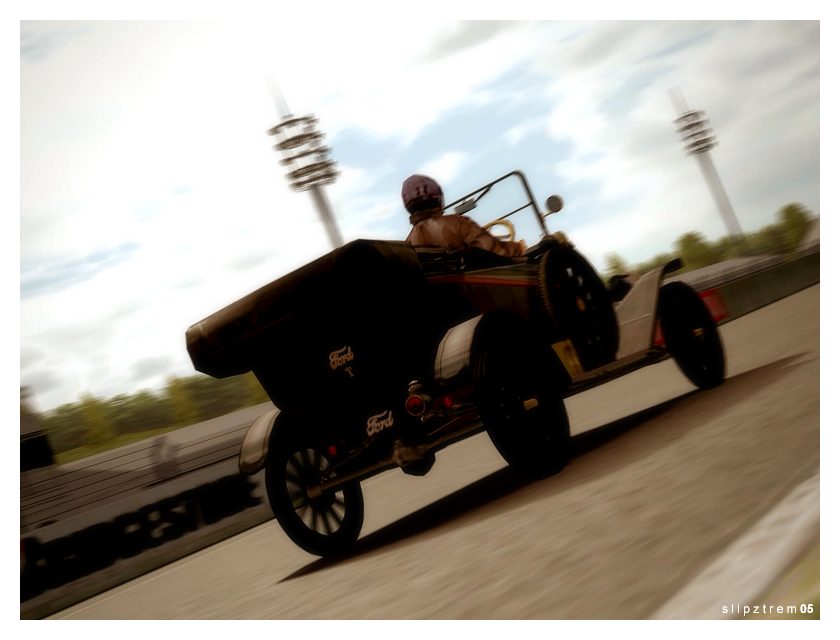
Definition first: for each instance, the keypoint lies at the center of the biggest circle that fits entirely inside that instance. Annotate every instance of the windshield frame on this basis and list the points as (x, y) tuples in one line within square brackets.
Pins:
[(485, 189)]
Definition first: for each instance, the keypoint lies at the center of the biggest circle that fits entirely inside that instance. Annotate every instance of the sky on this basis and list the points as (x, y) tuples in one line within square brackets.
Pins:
[(150, 195)]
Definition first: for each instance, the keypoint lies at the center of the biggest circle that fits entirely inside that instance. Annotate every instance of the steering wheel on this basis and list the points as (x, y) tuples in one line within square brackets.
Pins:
[(507, 224)]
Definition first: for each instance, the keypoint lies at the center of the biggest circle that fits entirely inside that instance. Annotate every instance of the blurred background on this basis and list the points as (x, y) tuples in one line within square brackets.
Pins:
[(151, 197)]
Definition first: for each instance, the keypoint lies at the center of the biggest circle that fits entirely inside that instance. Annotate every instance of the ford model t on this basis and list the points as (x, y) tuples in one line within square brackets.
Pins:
[(379, 354)]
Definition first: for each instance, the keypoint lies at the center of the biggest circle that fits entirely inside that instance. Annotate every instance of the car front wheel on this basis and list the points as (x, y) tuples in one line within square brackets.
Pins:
[(691, 335), (578, 305)]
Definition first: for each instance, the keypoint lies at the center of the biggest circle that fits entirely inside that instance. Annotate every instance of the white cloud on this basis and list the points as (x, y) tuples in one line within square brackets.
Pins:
[(153, 134), (445, 167), (515, 134), (759, 86)]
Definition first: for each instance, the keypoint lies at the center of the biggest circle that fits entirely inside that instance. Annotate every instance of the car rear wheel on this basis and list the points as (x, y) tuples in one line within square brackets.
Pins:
[(324, 524), (691, 335), (519, 395)]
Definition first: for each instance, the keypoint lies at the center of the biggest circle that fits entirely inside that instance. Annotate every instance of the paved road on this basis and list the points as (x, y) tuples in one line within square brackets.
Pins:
[(664, 479)]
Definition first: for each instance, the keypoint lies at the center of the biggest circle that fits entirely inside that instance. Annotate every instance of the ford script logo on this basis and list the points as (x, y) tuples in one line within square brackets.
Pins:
[(380, 421), (341, 357)]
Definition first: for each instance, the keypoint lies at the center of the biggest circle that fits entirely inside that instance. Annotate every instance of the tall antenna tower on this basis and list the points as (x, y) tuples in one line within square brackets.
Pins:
[(697, 135), (311, 168)]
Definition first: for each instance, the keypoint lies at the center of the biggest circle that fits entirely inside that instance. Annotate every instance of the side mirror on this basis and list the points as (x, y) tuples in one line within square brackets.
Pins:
[(554, 204)]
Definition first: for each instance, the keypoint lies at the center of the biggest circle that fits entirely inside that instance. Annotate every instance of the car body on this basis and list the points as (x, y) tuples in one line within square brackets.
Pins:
[(379, 354)]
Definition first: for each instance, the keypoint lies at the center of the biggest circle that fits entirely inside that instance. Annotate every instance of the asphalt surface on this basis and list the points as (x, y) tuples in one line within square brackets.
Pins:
[(664, 480)]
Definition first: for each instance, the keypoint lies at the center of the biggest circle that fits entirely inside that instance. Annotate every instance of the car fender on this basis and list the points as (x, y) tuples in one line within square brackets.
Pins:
[(455, 351), (636, 313), (453, 354), (254, 449)]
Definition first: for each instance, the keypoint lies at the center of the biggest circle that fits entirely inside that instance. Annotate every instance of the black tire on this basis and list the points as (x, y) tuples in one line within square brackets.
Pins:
[(519, 393), (324, 526), (578, 305), (691, 335)]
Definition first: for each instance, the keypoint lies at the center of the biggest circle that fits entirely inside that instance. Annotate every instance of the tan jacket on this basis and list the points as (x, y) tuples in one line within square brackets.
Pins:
[(456, 232)]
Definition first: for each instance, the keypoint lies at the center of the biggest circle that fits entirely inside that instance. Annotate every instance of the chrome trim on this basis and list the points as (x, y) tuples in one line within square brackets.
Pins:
[(453, 354), (254, 449), (636, 313)]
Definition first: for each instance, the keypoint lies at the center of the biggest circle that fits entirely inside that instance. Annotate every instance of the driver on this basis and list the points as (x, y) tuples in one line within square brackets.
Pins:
[(423, 199)]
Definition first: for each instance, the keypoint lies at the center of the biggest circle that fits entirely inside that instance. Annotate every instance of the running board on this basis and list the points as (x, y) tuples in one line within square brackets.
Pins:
[(614, 369)]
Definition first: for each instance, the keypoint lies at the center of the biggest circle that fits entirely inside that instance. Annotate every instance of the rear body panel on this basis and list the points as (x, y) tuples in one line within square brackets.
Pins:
[(336, 343)]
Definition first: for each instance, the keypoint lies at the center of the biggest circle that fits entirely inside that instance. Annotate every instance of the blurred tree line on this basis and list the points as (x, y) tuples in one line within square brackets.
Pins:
[(780, 238), (95, 422)]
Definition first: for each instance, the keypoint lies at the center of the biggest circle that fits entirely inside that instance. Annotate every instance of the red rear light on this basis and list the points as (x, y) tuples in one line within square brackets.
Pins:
[(715, 303), (332, 451), (447, 402), (415, 405)]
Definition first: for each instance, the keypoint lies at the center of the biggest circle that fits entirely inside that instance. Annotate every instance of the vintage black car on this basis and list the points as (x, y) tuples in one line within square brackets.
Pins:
[(379, 354)]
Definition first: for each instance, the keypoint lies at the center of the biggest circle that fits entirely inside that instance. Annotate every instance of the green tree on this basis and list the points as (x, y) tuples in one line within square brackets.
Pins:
[(794, 220), (140, 411), (695, 251), (615, 264), (768, 241), (95, 419), (657, 261), (184, 410), (64, 427), (729, 247)]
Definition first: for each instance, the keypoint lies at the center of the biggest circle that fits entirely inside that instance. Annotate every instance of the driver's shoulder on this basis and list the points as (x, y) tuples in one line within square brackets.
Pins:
[(468, 228)]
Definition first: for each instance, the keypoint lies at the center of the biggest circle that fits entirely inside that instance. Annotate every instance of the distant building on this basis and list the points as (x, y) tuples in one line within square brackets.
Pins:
[(35, 449)]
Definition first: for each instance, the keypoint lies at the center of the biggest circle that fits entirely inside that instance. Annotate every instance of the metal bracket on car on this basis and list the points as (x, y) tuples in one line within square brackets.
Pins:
[(254, 449), (453, 354), (636, 313)]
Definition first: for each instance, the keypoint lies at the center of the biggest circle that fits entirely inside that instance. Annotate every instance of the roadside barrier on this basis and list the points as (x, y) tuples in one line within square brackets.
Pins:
[(730, 297), (90, 525)]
